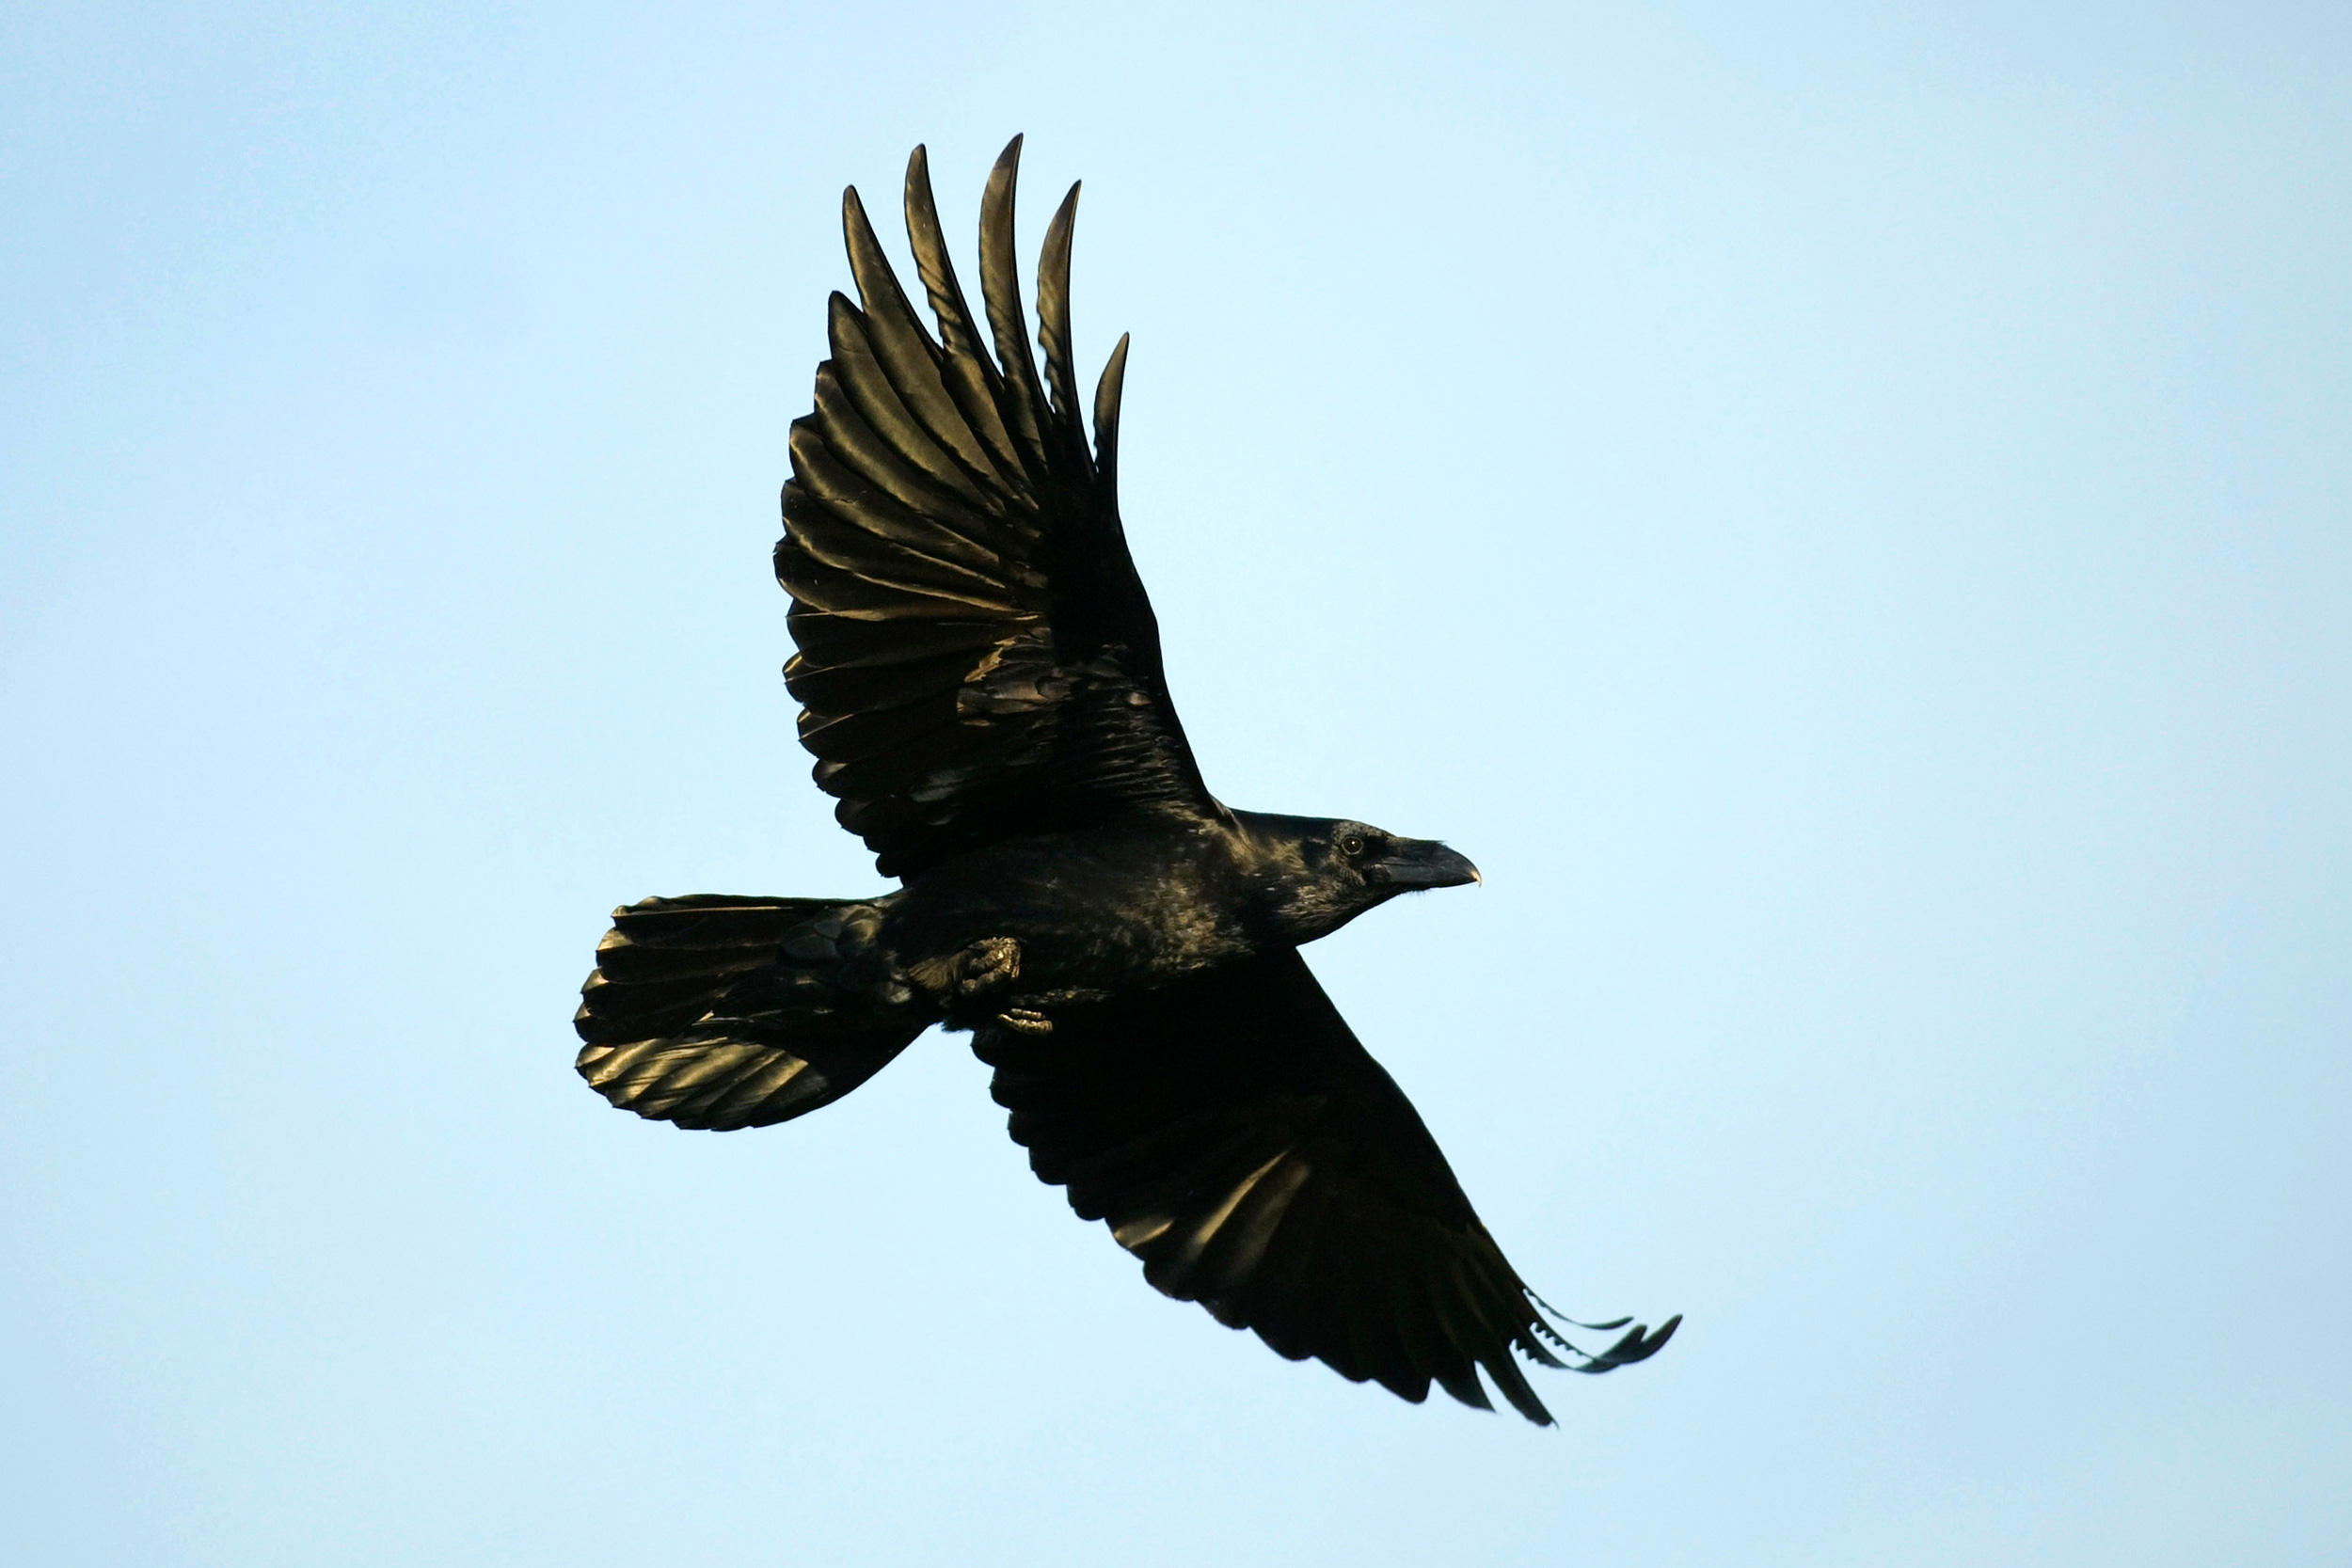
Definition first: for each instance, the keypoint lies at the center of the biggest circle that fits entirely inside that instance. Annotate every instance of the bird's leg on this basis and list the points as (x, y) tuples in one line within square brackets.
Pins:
[(989, 964), (1035, 1019), (972, 972)]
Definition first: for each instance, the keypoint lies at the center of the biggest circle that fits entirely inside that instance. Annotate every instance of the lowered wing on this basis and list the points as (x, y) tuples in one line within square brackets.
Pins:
[(1238, 1139), (977, 658)]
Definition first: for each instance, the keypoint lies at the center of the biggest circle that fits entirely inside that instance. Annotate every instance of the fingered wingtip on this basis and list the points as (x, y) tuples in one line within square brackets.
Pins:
[(1639, 1343)]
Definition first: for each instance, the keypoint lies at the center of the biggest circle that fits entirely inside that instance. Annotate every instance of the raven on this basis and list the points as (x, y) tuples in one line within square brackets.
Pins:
[(980, 669)]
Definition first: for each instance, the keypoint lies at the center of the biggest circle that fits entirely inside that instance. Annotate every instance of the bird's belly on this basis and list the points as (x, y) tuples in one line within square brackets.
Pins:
[(1088, 925), (1124, 946)]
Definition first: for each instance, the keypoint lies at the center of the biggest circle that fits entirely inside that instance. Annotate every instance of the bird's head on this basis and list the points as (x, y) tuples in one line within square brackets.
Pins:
[(1315, 874)]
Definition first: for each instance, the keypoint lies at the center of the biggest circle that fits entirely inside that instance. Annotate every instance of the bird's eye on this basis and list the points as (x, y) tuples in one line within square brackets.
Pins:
[(1351, 845)]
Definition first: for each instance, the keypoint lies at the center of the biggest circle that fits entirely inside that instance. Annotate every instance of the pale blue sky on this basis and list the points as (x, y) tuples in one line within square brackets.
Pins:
[(1844, 511)]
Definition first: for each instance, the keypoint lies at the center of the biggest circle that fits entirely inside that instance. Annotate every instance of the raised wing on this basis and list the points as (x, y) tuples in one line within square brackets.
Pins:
[(977, 656), (1238, 1139)]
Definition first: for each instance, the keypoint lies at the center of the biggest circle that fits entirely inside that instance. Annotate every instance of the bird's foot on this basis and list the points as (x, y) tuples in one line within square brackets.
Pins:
[(986, 965), (1026, 1021)]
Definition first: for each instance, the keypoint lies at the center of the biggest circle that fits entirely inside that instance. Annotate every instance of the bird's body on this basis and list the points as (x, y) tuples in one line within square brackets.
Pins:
[(1094, 914), (1129, 907), (984, 694)]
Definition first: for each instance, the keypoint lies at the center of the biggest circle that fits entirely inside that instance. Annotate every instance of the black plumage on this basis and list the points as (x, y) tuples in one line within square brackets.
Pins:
[(982, 685)]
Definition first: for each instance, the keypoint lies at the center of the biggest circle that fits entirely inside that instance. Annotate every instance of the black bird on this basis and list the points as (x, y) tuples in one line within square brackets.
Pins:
[(981, 673)]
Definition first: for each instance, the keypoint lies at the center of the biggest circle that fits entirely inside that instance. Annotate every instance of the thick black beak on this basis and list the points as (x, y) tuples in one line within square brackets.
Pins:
[(1419, 862)]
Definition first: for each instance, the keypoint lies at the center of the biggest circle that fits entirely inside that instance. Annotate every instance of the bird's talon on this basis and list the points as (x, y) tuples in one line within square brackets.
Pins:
[(986, 965), (1026, 1021)]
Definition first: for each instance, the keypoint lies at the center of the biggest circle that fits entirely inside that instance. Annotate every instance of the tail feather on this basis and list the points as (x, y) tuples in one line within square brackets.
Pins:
[(720, 1012)]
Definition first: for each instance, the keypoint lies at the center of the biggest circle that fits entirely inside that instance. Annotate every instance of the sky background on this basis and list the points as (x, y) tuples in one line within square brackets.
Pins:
[(1843, 510)]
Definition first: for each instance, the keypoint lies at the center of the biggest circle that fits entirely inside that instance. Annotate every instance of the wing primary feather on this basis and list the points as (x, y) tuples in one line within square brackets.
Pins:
[(1373, 1334), (865, 379), (857, 445), (906, 352), (1176, 1271), (971, 376), (1053, 309), (1639, 1344), (1536, 1337), (1278, 1301), (1330, 1305), (1434, 1344), (1482, 1326), (1484, 1292), (1106, 415), (1234, 1263), (1000, 291), (854, 500), (1515, 1387), (1610, 1326)]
